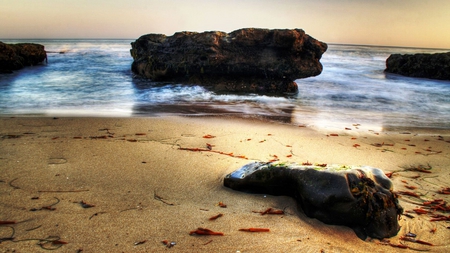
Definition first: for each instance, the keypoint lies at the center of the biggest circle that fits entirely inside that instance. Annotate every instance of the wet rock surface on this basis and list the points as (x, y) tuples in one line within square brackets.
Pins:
[(433, 66), (359, 197), (245, 60), (17, 56)]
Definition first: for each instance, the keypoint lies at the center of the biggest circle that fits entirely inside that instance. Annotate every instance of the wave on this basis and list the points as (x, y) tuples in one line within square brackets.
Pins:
[(95, 76)]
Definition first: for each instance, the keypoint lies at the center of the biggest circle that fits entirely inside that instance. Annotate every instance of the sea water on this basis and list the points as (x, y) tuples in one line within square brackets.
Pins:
[(93, 78)]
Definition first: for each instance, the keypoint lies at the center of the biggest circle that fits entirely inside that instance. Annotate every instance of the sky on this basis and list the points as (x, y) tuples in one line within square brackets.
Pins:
[(406, 23)]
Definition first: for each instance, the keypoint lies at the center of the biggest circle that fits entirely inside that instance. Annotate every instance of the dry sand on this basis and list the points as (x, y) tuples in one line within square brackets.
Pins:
[(145, 189)]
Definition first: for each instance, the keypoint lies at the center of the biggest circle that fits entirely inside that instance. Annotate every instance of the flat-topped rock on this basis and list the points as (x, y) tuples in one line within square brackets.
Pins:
[(17, 56), (433, 66), (245, 60)]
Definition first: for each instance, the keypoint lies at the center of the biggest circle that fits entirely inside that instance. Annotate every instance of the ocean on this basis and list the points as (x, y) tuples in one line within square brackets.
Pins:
[(93, 78)]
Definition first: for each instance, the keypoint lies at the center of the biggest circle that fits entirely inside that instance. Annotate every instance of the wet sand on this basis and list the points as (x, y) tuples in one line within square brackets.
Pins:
[(124, 184)]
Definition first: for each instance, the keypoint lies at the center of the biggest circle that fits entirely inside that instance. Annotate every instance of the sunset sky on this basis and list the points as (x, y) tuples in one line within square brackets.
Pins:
[(411, 23)]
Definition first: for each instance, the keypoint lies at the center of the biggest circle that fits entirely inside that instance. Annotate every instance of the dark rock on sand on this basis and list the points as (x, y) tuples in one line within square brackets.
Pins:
[(246, 60), (359, 197), (433, 66), (17, 56)]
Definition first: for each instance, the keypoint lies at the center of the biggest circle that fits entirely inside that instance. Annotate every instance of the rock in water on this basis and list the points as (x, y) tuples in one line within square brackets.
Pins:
[(433, 66), (358, 197), (17, 56), (246, 60)]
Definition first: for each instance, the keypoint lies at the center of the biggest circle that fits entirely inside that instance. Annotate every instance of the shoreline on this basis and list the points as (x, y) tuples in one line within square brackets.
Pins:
[(263, 119), (126, 166)]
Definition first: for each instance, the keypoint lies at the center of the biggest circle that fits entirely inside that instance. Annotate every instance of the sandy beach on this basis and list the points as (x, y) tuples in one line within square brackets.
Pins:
[(124, 184)]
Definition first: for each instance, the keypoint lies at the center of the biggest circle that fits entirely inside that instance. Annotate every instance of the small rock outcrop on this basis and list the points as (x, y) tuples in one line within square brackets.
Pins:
[(433, 66), (17, 56), (359, 197), (246, 60)]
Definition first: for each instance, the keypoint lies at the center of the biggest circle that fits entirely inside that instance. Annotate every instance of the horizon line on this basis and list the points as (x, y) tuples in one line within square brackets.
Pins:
[(329, 43)]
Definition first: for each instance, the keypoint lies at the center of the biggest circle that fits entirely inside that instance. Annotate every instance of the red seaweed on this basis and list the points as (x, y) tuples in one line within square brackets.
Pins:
[(216, 216), (204, 231), (420, 211), (413, 194), (444, 191), (270, 211), (221, 204)]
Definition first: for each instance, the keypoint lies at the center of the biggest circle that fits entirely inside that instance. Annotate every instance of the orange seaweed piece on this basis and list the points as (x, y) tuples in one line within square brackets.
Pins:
[(409, 193), (204, 231), (59, 242), (440, 218), (208, 136), (216, 216), (420, 211), (444, 191), (221, 204), (270, 211)]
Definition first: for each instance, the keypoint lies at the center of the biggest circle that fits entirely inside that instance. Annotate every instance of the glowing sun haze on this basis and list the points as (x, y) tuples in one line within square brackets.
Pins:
[(412, 23)]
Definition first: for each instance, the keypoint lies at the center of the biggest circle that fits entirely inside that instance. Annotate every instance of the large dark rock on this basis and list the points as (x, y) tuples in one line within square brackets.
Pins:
[(17, 56), (359, 197), (434, 66), (247, 60)]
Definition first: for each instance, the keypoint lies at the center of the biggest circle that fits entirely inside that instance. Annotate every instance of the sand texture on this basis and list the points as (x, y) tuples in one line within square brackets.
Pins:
[(124, 185)]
